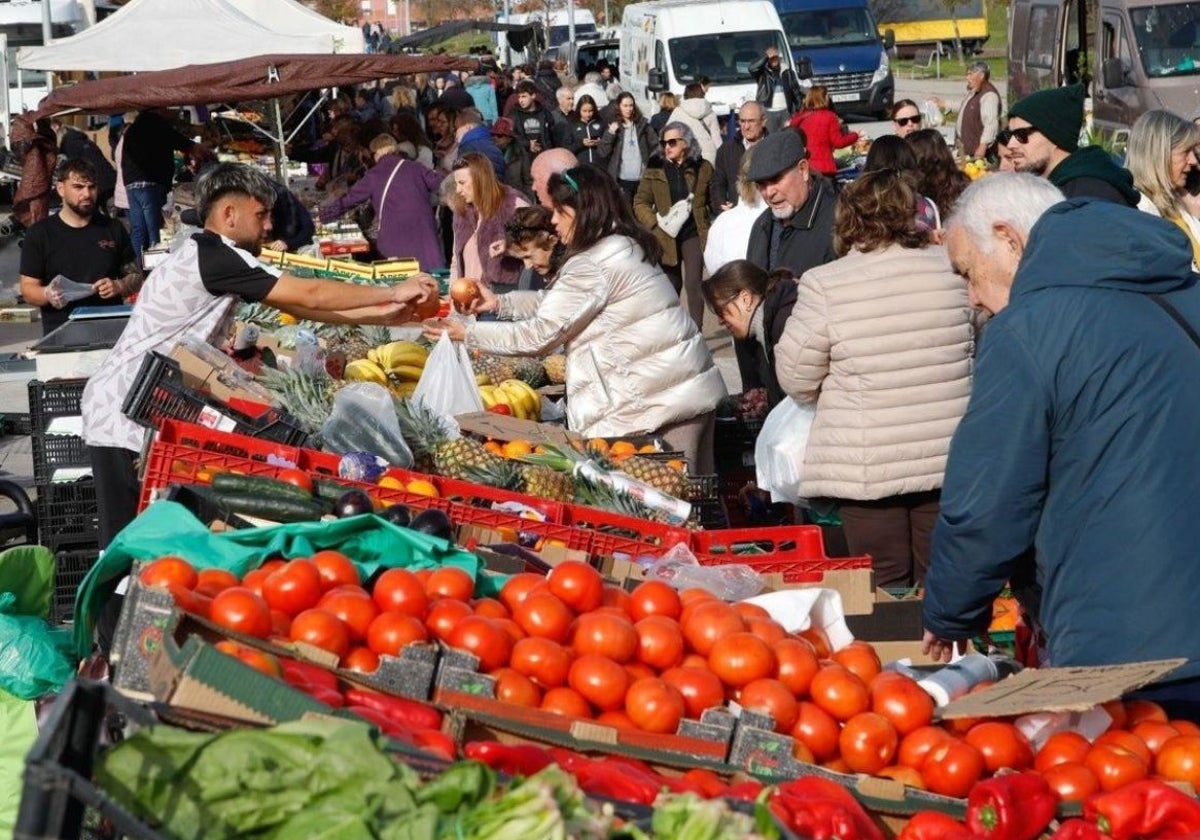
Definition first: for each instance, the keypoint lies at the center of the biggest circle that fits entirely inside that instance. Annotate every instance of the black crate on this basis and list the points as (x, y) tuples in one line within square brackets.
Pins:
[(68, 515), (733, 444), (159, 393), (58, 798), (17, 425), (704, 488), (71, 567), (55, 398), (55, 452), (710, 515)]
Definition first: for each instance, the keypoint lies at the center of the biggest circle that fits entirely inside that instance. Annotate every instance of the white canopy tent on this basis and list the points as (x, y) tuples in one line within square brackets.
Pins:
[(148, 35)]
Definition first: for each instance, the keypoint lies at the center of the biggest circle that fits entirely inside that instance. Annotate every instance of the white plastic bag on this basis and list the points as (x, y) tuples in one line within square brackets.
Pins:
[(779, 450), (61, 291), (364, 420), (447, 385), (673, 221)]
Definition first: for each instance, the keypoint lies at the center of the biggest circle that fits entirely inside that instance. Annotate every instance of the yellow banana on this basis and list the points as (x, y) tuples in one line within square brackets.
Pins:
[(517, 398), (362, 370), (488, 394), (373, 356), (407, 372), (526, 396), (534, 400)]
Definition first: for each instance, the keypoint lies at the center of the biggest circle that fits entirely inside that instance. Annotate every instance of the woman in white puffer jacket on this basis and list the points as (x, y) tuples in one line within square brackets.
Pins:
[(636, 364)]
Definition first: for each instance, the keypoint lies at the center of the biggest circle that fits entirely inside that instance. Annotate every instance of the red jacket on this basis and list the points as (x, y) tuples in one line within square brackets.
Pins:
[(824, 132)]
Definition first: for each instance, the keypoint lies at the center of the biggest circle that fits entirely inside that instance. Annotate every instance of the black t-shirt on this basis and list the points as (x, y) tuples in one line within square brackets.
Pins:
[(85, 255), (223, 272)]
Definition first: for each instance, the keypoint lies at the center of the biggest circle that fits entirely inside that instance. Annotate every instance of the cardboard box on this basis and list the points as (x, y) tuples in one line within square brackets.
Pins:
[(271, 257), (395, 269), (499, 427), (320, 263), (20, 314), (225, 383), (352, 269)]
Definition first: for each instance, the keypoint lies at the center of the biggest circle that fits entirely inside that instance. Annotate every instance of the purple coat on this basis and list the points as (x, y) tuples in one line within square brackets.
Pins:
[(407, 227)]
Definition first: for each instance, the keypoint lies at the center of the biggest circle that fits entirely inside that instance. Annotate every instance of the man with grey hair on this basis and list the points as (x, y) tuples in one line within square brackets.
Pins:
[(752, 125), (1073, 472), (545, 165), (191, 297), (979, 112)]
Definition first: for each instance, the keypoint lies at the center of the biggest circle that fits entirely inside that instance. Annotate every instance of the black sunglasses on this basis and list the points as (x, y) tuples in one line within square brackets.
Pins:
[(907, 120), (1022, 134), (666, 144)]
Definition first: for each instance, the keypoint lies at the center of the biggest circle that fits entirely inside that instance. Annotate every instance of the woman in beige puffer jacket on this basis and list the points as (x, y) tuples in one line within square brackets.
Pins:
[(882, 341), (636, 364)]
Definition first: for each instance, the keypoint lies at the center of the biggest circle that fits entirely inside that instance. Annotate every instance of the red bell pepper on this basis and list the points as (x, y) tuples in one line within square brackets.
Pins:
[(569, 760), (820, 809), (513, 759), (436, 742), (296, 671), (410, 713), (934, 825), (384, 724), (1015, 806), (1147, 810), (707, 783), (322, 694), (1079, 830), (602, 779)]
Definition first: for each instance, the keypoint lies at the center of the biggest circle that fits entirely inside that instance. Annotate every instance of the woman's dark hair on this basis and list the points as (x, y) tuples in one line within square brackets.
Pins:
[(637, 112), (876, 210), (693, 90), (605, 211), (530, 226), (938, 176), (586, 100), (902, 104), (890, 152), (732, 279), (406, 126)]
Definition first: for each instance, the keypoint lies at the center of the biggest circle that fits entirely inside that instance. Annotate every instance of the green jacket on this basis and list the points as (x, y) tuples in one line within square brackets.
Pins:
[(653, 198)]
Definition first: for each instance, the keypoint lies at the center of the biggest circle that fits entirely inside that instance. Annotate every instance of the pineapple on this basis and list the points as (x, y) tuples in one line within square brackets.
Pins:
[(433, 447), (495, 368), (546, 483), (655, 473), (530, 372), (556, 369), (307, 398), (595, 495)]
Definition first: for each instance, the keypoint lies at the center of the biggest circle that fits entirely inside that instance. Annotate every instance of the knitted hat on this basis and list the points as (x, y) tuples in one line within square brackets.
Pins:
[(1056, 113)]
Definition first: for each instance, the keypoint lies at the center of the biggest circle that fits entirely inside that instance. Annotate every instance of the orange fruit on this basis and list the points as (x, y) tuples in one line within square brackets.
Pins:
[(391, 482), (421, 487), (517, 449), (677, 464), (599, 445), (622, 449), (494, 448), (649, 447)]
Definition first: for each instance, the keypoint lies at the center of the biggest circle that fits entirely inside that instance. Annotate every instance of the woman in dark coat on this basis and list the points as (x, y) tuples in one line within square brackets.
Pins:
[(628, 144), (584, 132)]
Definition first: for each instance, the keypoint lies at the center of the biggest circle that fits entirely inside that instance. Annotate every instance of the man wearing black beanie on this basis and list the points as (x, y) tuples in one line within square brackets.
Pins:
[(1045, 130)]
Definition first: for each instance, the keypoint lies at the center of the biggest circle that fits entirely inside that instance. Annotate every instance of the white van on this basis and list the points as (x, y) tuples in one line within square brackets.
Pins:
[(666, 45)]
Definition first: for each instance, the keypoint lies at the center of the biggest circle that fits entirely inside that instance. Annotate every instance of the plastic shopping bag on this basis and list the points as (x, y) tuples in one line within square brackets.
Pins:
[(673, 221), (61, 291), (447, 385), (779, 450), (364, 420)]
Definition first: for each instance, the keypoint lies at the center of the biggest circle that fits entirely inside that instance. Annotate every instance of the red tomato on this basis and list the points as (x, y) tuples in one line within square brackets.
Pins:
[(1116, 711), (608, 635), (336, 569), (1179, 760), (480, 636), (868, 743), (616, 718), (699, 688), (615, 596), (361, 659), (839, 692), (389, 632), (490, 608), (355, 609), (1137, 711), (817, 730), (860, 659), (169, 570), (190, 601), (511, 628), (653, 597), (767, 629), (322, 629), (516, 688), (901, 701), (708, 622), (1154, 733), (639, 670), (1001, 745), (296, 478), (796, 665), (1127, 741), (741, 658), (660, 642), (577, 585), (566, 702), (256, 659), (1061, 748), (543, 614), (1186, 727), (952, 767), (240, 610), (1073, 782), (399, 590), (450, 582), (818, 640), (517, 587), (599, 680), (253, 579), (918, 744), (1115, 766), (443, 614), (281, 623), (747, 610), (543, 661), (211, 581), (654, 705), (294, 588), (771, 697)]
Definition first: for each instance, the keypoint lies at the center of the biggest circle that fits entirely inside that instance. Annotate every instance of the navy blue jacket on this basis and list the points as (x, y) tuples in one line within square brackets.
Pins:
[(479, 139), (1082, 440)]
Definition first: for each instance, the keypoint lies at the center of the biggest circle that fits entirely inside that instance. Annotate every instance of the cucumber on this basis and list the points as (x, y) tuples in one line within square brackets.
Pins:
[(258, 485), (274, 508), (329, 490)]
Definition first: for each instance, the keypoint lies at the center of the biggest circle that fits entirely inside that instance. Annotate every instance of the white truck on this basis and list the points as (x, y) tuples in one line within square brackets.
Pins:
[(667, 44)]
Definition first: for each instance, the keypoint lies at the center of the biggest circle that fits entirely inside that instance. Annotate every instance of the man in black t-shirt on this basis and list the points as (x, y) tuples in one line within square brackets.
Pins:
[(79, 244)]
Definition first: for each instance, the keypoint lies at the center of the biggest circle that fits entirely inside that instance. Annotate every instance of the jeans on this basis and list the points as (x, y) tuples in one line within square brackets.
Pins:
[(145, 215)]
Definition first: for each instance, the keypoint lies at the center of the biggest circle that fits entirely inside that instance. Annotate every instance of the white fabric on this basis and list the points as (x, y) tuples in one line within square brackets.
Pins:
[(593, 90), (729, 234), (1147, 206), (697, 114), (150, 35)]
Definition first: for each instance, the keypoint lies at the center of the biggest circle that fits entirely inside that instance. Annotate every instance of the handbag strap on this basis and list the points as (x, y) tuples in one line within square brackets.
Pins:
[(383, 198), (1165, 305)]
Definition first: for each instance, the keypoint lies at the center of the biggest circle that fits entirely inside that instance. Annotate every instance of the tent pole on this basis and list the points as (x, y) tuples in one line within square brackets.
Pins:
[(281, 159)]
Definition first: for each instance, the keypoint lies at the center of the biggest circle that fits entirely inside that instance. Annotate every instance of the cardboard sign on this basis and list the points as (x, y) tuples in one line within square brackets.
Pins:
[(1059, 689), (500, 427)]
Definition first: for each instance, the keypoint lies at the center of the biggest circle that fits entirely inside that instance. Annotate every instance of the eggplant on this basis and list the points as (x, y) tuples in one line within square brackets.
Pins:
[(397, 515), (353, 503), (433, 522)]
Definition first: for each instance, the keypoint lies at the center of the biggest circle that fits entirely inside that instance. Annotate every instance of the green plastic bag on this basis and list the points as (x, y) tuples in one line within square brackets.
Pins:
[(18, 731), (35, 659), (169, 528), (27, 572)]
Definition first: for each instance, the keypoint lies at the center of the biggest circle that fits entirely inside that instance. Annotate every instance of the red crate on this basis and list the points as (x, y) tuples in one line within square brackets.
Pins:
[(574, 539), (795, 551), (616, 534)]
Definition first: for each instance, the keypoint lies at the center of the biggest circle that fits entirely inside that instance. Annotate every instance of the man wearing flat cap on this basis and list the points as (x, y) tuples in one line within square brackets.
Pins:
[(1044, 128), (796, 230)]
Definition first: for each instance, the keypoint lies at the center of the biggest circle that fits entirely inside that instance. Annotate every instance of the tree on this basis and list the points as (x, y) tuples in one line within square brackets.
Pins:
[(340, 10)]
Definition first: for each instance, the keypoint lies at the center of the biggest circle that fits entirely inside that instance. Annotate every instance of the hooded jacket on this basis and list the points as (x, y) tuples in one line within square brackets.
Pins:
[(479, 139), (635, 360), (653, 197), (1090, 172), (611, 144), (484, 95), (1080, 441), (697, 114)]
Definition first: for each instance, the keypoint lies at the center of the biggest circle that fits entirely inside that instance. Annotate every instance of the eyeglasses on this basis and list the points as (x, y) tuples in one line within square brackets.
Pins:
[(1022, 135), (749, 121), (669, 144), (1003, 136), (908, 120)]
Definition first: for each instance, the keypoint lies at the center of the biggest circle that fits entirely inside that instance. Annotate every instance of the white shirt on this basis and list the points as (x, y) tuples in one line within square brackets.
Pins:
[(729, 235)]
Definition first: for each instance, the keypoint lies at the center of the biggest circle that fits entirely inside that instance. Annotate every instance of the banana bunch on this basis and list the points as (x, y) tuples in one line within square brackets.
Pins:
[(402, 361), (364, 370), (522, 401)]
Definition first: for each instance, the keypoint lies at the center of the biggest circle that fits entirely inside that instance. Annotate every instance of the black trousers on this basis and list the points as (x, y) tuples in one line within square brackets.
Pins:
[(114, 471)]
